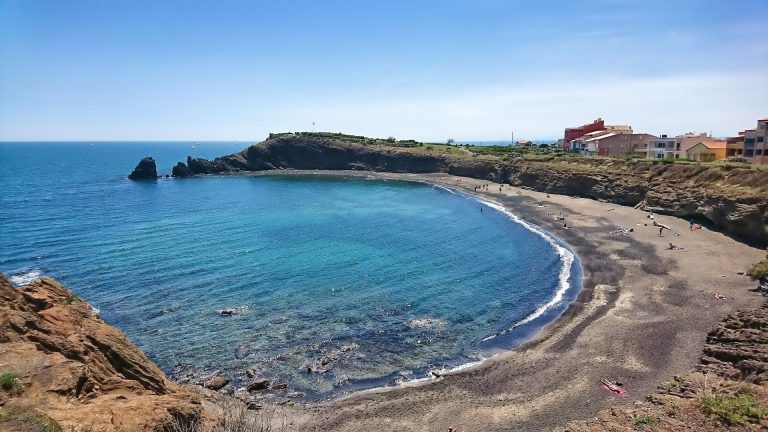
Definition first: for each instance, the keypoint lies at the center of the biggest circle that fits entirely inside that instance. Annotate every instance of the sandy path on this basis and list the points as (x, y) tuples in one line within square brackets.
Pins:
[(641, 318)]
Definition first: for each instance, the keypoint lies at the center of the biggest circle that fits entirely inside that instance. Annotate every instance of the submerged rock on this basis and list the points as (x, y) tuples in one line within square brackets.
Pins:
[(242, 352), (145, 170)]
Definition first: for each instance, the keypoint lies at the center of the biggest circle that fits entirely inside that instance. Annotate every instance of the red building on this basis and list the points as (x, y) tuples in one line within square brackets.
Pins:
[(576, 132)]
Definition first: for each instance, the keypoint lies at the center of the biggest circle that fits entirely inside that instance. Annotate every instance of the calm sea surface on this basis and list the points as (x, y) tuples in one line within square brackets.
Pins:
[(367, 282)]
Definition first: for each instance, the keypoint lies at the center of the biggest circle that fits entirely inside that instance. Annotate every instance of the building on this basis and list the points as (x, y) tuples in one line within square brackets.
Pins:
[(659, 148), (735, 146), (750, 144), (590, 143), (524, 143), (579, 131), (690, 139), (706, 152), (621, 144)]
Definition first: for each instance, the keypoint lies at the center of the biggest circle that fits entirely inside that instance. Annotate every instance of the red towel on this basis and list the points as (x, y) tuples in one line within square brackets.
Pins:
[(618, 390)]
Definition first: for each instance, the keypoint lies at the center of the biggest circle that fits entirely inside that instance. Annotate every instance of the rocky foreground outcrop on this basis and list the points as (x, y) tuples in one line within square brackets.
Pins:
[(68, 369), (731, 199), (145, 170)]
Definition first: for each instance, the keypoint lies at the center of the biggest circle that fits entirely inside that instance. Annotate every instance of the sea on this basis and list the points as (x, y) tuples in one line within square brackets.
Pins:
[(335, 284)]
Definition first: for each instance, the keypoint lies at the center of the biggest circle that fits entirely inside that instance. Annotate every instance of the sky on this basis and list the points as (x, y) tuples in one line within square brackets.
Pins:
[(426, 70)]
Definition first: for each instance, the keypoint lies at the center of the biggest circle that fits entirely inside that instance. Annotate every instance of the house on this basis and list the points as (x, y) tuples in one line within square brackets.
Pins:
[(579, 131), (690, 139), (706, 152), (735, 146), (523, 143), (750, 144), (587, 144), (662, 147), (621, 144)]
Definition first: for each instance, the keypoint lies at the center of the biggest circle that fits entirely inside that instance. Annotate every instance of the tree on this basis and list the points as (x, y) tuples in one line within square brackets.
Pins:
[(450, 141)]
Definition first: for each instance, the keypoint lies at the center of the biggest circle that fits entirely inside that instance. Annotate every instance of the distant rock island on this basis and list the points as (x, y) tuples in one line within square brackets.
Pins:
[(729, 197), (145, 170)]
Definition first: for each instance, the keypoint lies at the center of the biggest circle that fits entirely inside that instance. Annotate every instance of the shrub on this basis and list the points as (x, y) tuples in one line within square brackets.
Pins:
[(738, 409), (759, 271), (645, 420), (9, 382)]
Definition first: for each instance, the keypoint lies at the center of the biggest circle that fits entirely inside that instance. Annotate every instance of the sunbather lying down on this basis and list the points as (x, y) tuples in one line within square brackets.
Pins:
[(615, 387)]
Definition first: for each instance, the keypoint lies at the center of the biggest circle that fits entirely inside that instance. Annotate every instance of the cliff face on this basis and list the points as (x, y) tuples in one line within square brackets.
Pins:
[(733, 200), (73, 370)]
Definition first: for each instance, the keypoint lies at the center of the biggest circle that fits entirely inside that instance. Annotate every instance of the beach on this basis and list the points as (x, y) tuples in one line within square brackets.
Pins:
[(641, 318)]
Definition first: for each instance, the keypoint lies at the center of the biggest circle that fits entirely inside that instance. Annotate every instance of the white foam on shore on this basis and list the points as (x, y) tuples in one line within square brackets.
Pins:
[(23, 279), (566, 257), (445, 188)]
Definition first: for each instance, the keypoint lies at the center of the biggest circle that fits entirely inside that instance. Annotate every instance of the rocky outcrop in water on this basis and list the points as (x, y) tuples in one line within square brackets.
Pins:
[(76, 371), (181, 170), (145, 170)]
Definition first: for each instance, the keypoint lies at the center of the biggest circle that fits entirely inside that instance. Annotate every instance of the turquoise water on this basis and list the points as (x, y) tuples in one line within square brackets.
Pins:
[(384, 279)]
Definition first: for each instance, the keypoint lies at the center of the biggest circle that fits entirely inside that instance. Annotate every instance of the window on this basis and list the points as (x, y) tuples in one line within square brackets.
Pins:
[(758, 152), (760, 139), (748, 153), (749, 142)]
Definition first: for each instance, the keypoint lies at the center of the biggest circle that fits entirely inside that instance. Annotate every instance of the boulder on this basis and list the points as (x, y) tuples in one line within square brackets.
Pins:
[(259, 385), (216, 383), (145, 170), (181, 170)]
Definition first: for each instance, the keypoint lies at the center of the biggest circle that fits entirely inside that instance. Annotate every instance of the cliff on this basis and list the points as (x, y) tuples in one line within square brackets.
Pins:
[(728, 198), (63, 368)]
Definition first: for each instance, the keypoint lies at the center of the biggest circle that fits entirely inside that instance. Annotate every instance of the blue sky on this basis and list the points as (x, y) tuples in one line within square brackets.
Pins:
[(429, 70)]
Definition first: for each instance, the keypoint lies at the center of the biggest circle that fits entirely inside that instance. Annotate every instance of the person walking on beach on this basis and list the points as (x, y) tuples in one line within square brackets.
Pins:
[(661, 231), (690, 224)]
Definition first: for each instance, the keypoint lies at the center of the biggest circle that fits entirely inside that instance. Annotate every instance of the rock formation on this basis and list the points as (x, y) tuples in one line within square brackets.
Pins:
[(181, 170), (145, 170), (76, 371)]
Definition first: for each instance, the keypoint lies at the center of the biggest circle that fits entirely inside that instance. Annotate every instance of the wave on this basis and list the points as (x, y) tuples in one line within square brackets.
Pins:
[(566, 257), (23, 279)]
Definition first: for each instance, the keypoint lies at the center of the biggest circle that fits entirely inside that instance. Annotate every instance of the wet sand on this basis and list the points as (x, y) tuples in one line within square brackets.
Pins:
[(641, 318)]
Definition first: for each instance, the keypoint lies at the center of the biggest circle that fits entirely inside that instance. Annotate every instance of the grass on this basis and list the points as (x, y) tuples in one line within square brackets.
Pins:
[(9, 381), (734, 409), (645, 420), (69, 299), (28, 421), (760, 270)]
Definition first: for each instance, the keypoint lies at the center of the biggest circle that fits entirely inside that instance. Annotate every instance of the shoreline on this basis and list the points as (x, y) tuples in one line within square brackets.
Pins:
[(641, 316)]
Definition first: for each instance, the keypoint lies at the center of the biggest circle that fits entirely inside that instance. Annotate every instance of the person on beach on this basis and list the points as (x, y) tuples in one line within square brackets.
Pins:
[(661, 231), (690, 224)]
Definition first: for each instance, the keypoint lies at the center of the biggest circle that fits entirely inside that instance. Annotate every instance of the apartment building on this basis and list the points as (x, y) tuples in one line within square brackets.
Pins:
[(662, 147), (750, 144)]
